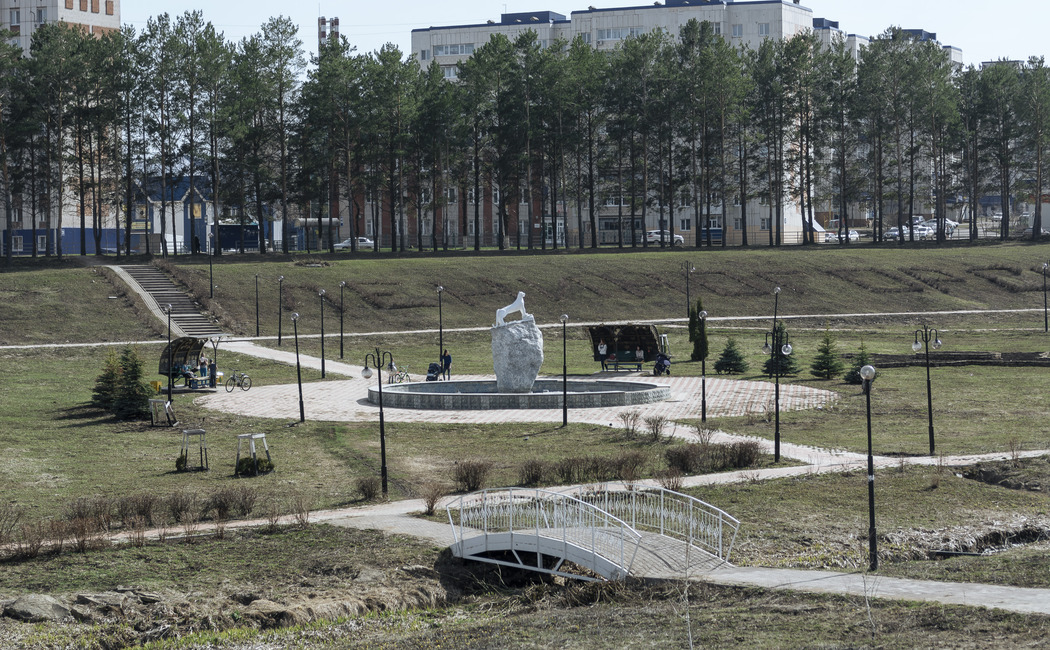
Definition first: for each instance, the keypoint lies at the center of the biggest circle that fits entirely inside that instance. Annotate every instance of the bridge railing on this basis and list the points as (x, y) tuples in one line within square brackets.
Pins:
[(672, 514), (544, 513)]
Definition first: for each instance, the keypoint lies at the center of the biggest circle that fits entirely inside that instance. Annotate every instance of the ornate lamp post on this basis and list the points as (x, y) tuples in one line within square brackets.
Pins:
[(256, 305), (564, 374), (687, 268), (923, 339), (211, 279), (320, 294), (703, 367), (441, 328), (167, 310), (867, 374), (280, 305), (1046, 318), (777, 345), (298, 368), (342, 311), (378, 359)]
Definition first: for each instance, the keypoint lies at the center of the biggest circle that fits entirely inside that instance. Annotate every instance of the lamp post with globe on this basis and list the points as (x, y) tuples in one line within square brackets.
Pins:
[(925, 338), (378, 359)]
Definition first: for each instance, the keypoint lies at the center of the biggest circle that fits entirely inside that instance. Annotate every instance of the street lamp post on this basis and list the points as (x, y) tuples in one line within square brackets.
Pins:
[(298, 368), (378, 359), (1046, 317), (923, 339), (777, 345), (564, 374), (257, 305), (867, 374), (342, 311), (703, 368), (321, 294), (687, 268), (211, 279), (441, 328), (167, 310), (280, 305)]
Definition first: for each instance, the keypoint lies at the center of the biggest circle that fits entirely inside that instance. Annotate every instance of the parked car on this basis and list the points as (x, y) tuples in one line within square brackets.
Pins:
[(949, 226), (363, 244), (1028, 232), (657, 236), (833, 237), (894, 233)]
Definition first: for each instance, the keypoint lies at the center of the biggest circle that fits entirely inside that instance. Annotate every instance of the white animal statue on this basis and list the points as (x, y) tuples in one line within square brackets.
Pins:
[(517, 306)]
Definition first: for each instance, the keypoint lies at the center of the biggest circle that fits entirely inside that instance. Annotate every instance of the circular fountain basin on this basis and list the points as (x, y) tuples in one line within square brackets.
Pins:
[(546, 394)]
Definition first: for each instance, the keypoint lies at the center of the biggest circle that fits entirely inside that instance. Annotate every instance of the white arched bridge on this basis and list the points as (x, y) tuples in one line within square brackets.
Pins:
[(610, 534)]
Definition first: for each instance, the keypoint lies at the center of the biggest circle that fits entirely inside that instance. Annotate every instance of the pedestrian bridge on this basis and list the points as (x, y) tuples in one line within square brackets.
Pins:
[(608, 534)]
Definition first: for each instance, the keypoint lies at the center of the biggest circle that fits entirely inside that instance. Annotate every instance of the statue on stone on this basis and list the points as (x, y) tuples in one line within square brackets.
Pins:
[(517, 306)]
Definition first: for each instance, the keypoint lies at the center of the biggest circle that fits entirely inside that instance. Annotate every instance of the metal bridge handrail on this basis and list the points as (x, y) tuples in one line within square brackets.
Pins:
[(532, 510)]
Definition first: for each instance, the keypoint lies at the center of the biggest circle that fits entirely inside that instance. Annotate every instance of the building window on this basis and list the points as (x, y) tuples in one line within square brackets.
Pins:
[(586, 38), (426, 227), (738, 223), (495, 196), (94, 6), (16, 17), (470, 227), (41, 243), (450, 71), (109, 7), (618, 34), (41, 15), (764, 223), (16, 244), (470, 195), (464, 49), (450, 194), (424, 55), (685, 225), (763, 29), (717, 28), (83, 5), (738, 31), (69, 4)]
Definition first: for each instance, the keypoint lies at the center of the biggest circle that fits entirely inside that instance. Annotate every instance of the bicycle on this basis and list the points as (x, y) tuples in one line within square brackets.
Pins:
[(398, 375), (238, 379)]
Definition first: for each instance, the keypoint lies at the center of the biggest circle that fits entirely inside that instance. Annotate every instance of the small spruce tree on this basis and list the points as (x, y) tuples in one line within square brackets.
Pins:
[(828, 363), (862, 359), (106, 383), (131, 398), (732, 360)]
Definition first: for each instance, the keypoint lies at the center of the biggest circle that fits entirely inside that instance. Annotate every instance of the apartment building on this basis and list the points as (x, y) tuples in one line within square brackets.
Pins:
[(22, 17)]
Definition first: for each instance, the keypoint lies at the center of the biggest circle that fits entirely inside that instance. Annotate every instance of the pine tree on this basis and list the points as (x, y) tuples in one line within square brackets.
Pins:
[(862, 359), (698, 331), (131, 399), (106, 383), (828, 364), (732, 360)]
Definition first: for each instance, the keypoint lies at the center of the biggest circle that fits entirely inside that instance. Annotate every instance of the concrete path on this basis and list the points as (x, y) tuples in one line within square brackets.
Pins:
[(346, 400)]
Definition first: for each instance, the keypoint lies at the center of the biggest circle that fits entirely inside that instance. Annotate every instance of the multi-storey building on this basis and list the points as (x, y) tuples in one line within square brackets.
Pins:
[(22, 17)]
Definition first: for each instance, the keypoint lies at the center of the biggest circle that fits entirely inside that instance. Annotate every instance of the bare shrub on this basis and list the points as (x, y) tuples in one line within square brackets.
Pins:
[(368, 487), (273, 514), (102, 512), (655, 425), (630, 420), (58, 533), (432, 493), (744, 453), (629, 465), (163, 530), (137, 526), (183, 504), (599, 468), (220, 528), (10, 520), (1014, 445), (30, 539), (670, 479), (80, 530), (245, 499), (470, 475), (79, 508), (142, 506), (703, 434), (301, 509), (570, 470), (220, 503), (689, 458), (191, 522), (532, 472)]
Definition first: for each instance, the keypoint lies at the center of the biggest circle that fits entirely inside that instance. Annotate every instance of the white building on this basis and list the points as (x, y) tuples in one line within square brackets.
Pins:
[(22, 17)]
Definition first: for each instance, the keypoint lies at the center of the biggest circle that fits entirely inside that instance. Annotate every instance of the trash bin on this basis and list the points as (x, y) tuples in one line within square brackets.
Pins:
[(155, 385)]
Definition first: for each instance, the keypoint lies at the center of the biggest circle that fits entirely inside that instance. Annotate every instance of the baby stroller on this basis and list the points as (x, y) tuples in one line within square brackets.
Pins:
[(433, 371), (662, 365)]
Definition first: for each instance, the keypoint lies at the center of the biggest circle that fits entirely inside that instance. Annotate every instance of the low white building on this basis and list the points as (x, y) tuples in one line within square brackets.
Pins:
[(23, 17)]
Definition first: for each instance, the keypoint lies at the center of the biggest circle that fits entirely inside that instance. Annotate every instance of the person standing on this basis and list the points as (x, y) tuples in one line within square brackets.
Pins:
[(603, 353), (446, 365)]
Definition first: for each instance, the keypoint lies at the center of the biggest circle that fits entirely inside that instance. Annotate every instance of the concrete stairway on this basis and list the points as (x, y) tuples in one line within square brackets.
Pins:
[(156, 287)]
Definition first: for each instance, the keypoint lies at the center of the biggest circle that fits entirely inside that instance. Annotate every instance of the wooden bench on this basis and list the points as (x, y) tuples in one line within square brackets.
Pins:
[(628, 365)]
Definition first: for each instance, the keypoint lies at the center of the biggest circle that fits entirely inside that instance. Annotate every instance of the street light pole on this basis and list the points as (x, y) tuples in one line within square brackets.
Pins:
[(703, 367), (256, 305), (321, 296), (867, 374), (280, 305), (777, 344), (923, 338), (378, 359), (564, 374), (1046, 317), (298, 368), (688, 268), (342, 311), (441, 328), (211, 279), (167, 310)]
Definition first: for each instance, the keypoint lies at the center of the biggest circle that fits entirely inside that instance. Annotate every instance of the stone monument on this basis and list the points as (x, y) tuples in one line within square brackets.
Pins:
[(517, 349)]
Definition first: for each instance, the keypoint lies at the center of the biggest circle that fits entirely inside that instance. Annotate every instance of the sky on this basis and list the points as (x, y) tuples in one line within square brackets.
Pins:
[(985, 31)]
